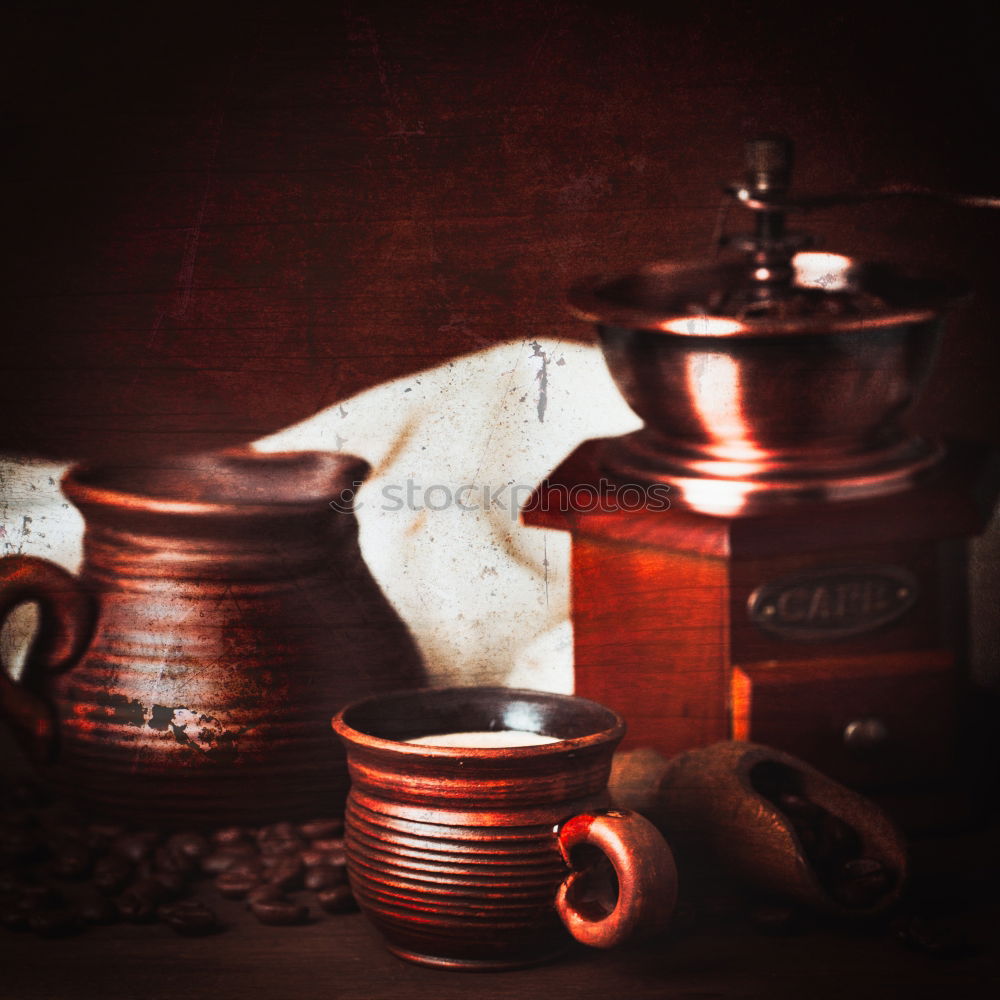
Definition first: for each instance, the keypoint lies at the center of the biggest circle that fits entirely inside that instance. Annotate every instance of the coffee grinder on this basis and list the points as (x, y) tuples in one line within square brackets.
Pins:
[(774, 557)]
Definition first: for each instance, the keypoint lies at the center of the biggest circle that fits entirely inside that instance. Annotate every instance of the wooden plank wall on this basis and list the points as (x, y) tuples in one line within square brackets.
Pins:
[(223, 217)]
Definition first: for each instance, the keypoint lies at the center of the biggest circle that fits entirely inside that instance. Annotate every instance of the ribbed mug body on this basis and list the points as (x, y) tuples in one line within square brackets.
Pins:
[(452, 853)]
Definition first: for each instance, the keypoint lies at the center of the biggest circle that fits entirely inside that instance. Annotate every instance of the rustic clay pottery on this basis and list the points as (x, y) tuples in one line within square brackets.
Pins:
[(482, 858), (717, 804), (223, 612)]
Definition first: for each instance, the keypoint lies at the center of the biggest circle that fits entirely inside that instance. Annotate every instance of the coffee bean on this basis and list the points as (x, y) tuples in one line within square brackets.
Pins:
[(190, 918), (111, 874), (229, 835), (265, 893), (190, 845), (166, 859), (138, 904), (277, 831), (312, 858), (828, 843), (837, 840), (860, 883), (224, 858), (140, 875), (251, 868), (331, 845), (234, 885), (217, 863), (137, 846), (324, 877), (136, 908), (282, 848), (805, 817), (269, 861), (338, 859), (279, 912), (322, 829), (170, 884), (339, 899), (60, 922), (287, 874), (245, 849)]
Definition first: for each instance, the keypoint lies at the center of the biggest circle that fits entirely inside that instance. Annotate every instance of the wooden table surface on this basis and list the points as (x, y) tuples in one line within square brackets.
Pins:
[(341, 958)]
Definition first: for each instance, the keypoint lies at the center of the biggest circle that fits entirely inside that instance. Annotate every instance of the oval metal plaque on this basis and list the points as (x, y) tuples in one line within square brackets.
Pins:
[(833, 603)]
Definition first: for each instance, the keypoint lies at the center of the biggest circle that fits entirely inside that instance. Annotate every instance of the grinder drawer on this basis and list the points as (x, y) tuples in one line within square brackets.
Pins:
[(870, 721)]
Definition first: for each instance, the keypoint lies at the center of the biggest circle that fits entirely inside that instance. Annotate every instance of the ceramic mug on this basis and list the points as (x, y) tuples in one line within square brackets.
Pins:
[(491, 856)]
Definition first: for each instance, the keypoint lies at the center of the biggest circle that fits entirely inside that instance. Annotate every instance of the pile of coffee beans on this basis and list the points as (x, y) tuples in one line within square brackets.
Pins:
[(832, 847), (60, 874)]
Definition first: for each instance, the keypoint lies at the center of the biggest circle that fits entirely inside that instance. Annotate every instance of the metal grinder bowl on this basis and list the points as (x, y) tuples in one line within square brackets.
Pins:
[(782, 373), (789, 388)]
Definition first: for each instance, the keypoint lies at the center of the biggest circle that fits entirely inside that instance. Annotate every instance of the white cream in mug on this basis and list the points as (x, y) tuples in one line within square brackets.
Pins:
[(484, 738)]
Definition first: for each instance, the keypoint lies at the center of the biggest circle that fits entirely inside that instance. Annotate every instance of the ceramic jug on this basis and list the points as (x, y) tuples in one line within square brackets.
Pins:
[(222, 614)]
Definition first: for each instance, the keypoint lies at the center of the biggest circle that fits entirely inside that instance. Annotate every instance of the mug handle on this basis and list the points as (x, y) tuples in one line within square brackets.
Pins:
[(643, 865), (66, 622)]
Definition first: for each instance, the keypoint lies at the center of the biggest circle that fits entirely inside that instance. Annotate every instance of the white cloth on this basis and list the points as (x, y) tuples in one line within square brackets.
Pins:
[(486, 598)]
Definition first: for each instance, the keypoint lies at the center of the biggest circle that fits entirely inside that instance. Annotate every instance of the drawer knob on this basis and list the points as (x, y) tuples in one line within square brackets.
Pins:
[(866, 734)]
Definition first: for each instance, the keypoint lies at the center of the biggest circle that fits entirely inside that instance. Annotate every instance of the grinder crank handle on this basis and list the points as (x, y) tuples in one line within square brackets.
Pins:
[(644, 868), (66, 621)]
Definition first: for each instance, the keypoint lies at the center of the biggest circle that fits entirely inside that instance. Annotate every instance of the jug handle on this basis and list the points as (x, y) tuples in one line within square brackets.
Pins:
[(66, 622), (643, 865)]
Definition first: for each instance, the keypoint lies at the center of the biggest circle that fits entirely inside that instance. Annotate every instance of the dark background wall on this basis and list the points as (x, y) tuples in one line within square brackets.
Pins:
[(223, 218)]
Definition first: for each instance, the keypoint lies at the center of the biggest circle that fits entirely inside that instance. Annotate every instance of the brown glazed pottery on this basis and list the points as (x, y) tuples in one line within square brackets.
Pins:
[(477, 858), (222, 613), (723, 804)]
